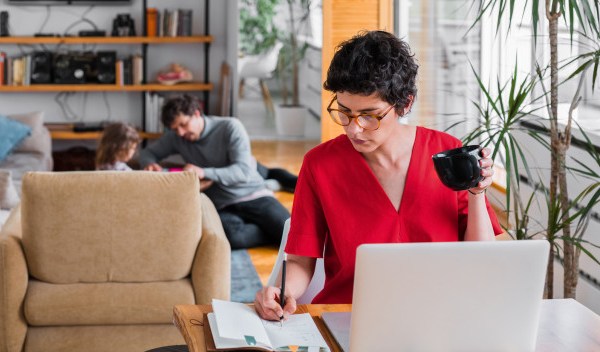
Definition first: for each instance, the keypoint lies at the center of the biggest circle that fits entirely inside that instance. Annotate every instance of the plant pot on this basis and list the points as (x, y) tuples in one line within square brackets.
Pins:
[(289, 120)]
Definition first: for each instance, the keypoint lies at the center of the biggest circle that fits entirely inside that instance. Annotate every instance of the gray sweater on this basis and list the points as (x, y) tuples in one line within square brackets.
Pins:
[(223, 151)]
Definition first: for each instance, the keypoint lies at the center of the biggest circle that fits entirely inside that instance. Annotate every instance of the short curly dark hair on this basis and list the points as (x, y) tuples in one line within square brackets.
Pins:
[(374, 62), (184, 104)]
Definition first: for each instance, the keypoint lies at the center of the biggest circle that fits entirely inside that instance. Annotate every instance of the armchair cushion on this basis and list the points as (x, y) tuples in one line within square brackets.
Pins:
[(57, 207), (105, 303)]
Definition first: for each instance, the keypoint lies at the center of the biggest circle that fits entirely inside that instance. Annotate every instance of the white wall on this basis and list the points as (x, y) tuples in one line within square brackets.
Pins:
[(125, 106)]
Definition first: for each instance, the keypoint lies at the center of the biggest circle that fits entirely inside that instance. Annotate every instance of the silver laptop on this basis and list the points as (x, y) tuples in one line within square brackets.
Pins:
[(454, 296)]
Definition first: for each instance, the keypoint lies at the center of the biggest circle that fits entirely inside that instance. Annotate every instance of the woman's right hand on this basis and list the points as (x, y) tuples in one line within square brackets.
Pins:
[(267, 305)]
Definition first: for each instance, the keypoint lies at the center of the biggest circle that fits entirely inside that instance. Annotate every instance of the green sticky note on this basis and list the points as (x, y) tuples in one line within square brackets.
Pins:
[(250, 340)]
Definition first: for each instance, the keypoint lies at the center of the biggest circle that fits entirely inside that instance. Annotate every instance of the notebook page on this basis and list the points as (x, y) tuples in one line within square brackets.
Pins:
[(237, 320), (298, 330)]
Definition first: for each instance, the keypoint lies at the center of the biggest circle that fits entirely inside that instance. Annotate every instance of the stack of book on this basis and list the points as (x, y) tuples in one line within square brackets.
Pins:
[(129, 70), (168, 22), (15, 71), (153, 103)]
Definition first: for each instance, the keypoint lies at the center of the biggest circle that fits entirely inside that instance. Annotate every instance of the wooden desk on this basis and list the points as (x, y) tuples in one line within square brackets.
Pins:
[(187, 317), (565, 325)]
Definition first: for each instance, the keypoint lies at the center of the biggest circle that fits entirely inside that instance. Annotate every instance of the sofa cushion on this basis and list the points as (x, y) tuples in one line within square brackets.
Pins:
[(11, 134), (105, 303), (35, 143), (110, 226)]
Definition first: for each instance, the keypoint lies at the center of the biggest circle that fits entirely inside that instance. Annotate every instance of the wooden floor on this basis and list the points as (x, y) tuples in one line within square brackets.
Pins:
[(287, 155)]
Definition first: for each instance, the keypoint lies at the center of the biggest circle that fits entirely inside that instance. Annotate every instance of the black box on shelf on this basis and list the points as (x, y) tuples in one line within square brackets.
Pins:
[(41, 67)]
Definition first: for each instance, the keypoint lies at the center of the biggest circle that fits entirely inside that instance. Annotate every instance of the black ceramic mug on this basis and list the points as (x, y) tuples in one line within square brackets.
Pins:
[(459, 168)]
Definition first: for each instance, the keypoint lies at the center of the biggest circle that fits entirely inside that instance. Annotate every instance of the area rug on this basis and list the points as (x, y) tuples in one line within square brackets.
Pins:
[(244, 279)]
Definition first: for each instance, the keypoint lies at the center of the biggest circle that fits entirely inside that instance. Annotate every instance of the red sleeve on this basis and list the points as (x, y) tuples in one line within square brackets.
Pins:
[(308, 227)]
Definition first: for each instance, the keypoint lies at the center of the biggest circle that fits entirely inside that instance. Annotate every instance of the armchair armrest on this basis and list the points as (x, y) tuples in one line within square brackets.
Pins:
[(211, 270), (13, 284)]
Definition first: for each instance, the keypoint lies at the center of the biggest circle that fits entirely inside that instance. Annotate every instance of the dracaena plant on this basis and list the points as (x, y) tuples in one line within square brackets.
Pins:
[(503, 113)]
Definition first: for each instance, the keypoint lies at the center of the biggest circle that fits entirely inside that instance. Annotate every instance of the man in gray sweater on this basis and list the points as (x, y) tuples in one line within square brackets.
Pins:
[(217, 149)]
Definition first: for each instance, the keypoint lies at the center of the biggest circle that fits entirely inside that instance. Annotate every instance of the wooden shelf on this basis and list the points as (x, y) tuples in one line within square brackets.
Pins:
[(195, 86), (71, 135), (107, 40)]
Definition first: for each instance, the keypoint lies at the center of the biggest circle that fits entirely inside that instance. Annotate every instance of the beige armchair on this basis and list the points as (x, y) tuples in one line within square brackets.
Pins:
[(95, 261)]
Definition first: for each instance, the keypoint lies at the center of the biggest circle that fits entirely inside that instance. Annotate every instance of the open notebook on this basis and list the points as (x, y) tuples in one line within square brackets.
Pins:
[(459, 296), (237, 326)]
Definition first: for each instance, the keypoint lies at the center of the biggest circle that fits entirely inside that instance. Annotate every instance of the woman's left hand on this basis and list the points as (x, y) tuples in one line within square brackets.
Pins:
[(487, 171)]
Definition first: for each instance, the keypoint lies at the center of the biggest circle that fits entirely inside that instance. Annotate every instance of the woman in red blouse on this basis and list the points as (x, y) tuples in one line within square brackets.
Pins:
[(376, 183)]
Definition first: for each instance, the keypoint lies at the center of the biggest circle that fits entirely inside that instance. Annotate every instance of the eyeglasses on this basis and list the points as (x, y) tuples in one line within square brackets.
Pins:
[(369, 122)]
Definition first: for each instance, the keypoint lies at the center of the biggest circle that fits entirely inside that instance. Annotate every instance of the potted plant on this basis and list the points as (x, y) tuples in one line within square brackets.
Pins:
[(503, 114), (257, 31), (290, 116)]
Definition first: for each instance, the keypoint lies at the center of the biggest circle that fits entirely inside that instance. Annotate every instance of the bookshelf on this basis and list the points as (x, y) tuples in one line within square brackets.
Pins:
[(144, 41), (196, 39), (155, 87)]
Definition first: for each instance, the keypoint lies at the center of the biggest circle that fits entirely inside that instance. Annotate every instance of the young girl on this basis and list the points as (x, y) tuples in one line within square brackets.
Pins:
[(117, 146)]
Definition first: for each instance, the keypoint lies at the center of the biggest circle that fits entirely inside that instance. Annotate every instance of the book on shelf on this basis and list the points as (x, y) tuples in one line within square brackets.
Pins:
[(153, 104), (119, 72), (18, 71), (128, 71), (151, 22), (174, 23), (138, 69), (236, 326), (9, 71), (184, 23), (2, 68)]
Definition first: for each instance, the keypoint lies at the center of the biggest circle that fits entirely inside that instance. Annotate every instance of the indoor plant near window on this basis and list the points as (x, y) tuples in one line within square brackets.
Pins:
[(257, 31), (504, 110), (290, 116)]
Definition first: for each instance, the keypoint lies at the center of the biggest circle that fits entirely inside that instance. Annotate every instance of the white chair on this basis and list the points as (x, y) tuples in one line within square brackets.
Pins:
[(317, 281), (261, 67)]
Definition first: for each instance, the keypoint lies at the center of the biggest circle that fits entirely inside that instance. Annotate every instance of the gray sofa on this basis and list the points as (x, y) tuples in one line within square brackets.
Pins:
[(33, 154)]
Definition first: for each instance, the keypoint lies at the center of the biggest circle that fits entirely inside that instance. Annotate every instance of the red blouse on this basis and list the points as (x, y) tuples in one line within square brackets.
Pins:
[(339, 204)]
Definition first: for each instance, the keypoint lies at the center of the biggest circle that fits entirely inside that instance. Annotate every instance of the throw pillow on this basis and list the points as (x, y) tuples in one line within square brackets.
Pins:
[(34, 119), (11, 134), (36, 142), (9, 198)]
